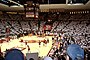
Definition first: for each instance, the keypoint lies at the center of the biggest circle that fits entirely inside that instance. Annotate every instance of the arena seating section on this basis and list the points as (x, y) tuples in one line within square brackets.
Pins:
[(76, 25)]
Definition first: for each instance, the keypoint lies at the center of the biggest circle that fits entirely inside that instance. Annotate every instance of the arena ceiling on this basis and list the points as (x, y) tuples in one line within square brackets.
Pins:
[(17, 5)]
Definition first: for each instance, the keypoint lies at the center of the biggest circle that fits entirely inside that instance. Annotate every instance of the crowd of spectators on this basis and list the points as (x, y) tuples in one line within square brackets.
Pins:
[(74, 17), (73, 32), (75, 29), (78, 29)]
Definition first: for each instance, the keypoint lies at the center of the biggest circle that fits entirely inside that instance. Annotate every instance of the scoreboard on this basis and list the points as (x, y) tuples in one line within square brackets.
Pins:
[(32, 10)]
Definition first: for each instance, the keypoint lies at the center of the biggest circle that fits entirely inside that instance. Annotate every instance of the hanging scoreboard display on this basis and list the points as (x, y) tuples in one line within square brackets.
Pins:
[(31, 10)]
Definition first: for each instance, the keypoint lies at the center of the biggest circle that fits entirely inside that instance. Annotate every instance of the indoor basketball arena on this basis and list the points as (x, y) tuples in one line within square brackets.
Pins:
[(44, 29)]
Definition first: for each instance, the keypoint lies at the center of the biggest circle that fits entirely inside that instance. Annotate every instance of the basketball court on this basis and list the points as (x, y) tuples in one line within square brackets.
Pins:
[(42, 49)]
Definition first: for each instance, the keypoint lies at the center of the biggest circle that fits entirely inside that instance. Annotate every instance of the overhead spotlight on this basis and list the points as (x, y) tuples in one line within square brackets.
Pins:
[(70, 2), (75, 2)]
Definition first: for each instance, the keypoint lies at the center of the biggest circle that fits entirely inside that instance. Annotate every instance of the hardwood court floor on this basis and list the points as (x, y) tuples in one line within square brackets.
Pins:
[(34, 47)]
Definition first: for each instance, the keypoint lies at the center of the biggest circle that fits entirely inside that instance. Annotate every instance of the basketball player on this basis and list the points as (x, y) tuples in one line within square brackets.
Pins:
[(28, 48), (39, 43)]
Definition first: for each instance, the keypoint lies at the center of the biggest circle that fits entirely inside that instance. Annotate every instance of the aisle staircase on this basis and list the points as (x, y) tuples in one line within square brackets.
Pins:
[(55, 24), (51, 52)]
